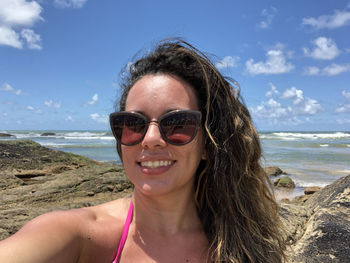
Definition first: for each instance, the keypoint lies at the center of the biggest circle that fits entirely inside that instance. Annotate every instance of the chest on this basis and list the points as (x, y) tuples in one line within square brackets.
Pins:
[(176, 249)]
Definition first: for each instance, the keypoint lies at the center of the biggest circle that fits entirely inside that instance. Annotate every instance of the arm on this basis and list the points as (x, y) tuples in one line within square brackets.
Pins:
[(52, 237)]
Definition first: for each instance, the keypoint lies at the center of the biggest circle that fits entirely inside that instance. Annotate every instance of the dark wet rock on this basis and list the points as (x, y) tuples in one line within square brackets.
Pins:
[(48, 134), (6, 135), (274, 171), (284, 182), (312, 189), (318, 230), (30, 174)]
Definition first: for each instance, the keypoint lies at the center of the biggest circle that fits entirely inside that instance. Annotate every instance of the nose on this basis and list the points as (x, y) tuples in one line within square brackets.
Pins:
[(153, 137)]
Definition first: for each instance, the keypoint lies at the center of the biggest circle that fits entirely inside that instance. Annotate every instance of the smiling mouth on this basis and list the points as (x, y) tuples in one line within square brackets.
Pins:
[(156, 164)]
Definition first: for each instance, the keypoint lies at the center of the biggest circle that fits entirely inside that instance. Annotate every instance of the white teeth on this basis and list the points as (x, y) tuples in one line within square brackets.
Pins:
[(155, 164)]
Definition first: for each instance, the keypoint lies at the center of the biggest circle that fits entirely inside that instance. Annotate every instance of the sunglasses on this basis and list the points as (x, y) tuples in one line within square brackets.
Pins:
[(177, 127)]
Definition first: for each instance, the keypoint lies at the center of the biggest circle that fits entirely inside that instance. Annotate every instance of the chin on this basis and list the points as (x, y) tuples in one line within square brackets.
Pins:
[(152, 189)]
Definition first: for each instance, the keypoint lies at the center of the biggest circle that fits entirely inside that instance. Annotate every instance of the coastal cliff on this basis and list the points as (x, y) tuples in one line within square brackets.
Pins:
[(36, 180)]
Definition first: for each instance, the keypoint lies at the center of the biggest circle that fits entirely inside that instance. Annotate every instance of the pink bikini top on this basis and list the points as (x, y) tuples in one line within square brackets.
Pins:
[(125, 232)]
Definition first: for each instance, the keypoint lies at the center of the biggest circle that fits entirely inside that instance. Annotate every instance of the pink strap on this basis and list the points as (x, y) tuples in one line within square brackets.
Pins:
[(125, 232)]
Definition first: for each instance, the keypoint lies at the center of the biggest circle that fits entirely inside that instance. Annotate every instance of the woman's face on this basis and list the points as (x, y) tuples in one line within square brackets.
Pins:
[(154, 166)]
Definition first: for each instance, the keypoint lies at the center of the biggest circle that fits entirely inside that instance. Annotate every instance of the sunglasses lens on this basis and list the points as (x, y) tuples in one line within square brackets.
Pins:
[(128, 129), (179, 128)]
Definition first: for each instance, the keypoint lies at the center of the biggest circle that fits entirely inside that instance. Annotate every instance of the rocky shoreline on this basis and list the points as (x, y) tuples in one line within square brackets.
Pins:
[(36, 180)]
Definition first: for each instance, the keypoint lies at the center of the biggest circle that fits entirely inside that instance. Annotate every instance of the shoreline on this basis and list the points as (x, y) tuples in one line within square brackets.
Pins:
[(274, 174), (302, 154)]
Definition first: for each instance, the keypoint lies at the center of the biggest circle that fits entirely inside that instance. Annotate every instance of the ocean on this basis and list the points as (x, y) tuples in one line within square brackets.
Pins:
[(310, 158)]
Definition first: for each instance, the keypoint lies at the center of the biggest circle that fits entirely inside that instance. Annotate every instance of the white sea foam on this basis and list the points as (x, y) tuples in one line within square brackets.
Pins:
[(345, 171), (310, 136), (53, 144), (301, 183), (324, 145), (89, 138), (26, 135), (83, 134)]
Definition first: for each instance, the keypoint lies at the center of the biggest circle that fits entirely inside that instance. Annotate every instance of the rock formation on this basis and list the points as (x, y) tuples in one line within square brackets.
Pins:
[(36, 180), (318, 230)]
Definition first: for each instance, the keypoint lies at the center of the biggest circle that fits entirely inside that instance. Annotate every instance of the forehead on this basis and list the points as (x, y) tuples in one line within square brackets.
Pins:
[(161, 92)]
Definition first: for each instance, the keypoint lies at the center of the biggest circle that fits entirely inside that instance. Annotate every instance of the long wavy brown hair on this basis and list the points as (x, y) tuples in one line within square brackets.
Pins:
[(234, 196)]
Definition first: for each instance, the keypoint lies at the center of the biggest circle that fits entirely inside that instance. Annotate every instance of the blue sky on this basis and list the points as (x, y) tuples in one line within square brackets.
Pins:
[(60, 59)]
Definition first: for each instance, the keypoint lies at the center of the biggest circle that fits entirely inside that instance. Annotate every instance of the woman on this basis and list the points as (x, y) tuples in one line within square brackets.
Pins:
[(188, 145)]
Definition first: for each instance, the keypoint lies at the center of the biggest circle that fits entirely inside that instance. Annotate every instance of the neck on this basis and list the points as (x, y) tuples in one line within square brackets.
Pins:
[(166, 215)]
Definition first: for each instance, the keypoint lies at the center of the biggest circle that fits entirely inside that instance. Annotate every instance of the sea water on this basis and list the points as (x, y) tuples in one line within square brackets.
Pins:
[(310, 158)]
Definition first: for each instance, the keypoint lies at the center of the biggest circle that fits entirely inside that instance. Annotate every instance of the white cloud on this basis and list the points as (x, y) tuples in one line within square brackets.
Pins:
[(70, 3), (293, 93), (343, 108), (302, 105), (275, 64), (346, 94), (308, 106), (9, 37), (50, 103), (346, 106), (57, 105), (338, 19), (335, 69), (93, 100), (69, 118), (227, 62), (33, 40), (312, 71), (16, 14), (325, 49), (7, 87), (270, 109), (19, 12), (331, 70), (273, 91), (4, 114), (99, 118), (295, 105), (31, 108), (268, 15)]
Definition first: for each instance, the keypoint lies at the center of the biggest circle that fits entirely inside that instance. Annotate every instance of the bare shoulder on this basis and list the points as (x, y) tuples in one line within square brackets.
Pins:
[(101, 230), (67, 236)]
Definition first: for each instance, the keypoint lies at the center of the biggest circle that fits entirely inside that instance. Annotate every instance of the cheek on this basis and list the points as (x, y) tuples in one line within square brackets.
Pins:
[(128, 155), (194, 152)]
